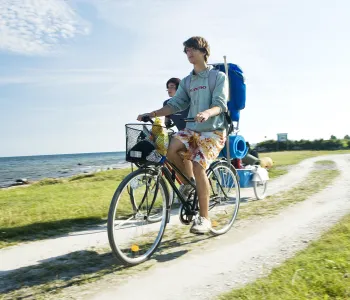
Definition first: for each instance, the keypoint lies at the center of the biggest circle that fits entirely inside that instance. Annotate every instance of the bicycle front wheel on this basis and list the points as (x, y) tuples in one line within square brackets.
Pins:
[(224, 197), (137, 216)]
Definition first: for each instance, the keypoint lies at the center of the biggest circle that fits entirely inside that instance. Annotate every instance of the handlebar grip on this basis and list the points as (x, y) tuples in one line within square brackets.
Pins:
[(187, 120), (146, 119), (169, 124)]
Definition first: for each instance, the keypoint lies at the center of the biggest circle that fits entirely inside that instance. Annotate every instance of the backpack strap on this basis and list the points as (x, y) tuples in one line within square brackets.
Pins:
[(187, 84), (213, 75)]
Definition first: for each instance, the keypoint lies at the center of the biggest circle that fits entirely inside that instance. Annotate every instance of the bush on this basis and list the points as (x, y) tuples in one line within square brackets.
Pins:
[(320, 144)]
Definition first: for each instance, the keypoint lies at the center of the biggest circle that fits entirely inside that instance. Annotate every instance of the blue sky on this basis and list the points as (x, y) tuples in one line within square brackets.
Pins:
[(72, 73)]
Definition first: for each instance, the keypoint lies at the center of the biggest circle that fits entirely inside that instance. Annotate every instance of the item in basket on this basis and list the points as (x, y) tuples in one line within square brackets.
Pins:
[(144, 134), (160, 136), (140, 151), (154, 156), (157, 127)]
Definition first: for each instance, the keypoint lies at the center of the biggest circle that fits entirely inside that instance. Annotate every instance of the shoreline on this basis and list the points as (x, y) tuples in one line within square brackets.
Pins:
[(30, 182)]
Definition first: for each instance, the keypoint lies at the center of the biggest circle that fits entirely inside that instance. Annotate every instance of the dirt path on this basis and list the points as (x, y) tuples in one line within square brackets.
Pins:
[(248, 250), (243, 255)]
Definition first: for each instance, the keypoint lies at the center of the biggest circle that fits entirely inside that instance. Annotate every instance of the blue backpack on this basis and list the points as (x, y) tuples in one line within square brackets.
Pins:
[(237, 89)]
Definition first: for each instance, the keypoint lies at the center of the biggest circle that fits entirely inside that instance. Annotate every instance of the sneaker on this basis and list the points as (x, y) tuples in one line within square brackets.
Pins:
[(201, 225)]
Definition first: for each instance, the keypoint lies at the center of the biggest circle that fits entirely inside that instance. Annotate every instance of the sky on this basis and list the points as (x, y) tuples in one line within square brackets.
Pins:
[(73, 73)]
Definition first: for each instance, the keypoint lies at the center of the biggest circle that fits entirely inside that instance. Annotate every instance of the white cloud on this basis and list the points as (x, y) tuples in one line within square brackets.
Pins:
[(58, 77), (38, 26), (42, 77)]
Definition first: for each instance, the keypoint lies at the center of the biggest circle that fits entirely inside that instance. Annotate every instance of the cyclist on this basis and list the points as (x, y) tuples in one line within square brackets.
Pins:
[(201, 141), (177, 119)]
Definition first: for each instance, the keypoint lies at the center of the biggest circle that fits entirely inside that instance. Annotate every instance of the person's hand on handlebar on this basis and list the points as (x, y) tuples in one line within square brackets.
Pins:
[(202, 116), (145, 117)]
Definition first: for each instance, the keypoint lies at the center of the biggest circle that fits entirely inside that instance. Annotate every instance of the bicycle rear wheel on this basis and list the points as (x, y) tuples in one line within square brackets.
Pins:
[(224, 197), (260, 188), (140, 200)]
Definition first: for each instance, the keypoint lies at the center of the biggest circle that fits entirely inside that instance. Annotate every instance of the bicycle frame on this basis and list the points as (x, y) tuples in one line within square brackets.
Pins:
[(177, 178), (189, 206), (170, 171), (169, 177)]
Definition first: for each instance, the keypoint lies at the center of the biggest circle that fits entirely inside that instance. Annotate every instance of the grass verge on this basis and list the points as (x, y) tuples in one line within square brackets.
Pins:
[(56, 206), (52, 207), (321, 271)]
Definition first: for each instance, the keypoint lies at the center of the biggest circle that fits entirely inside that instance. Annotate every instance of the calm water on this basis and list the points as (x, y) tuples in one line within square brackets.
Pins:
[(64, 165)]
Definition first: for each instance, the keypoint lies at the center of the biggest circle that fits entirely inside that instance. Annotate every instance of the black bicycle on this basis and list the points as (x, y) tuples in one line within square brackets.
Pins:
[(140, 208)]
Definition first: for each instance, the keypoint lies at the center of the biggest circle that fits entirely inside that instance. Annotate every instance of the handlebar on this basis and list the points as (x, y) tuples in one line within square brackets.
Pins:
[(147, 119), (188, 120)]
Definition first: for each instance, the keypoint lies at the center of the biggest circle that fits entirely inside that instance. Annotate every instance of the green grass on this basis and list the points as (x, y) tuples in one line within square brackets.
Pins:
[(52, 207), (282, 160), (324, 162), (321, 271), (57, 206)]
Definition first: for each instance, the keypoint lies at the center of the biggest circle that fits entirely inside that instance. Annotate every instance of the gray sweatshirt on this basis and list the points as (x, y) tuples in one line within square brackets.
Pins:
[(201, 99)]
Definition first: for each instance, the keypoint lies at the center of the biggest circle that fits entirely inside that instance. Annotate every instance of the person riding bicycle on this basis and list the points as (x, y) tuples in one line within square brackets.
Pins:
[(201, 141), (178, 118)]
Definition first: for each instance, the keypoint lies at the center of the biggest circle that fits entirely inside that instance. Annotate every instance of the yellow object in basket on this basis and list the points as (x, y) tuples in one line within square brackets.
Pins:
[(157, 128), (160, 136), (162, 144)]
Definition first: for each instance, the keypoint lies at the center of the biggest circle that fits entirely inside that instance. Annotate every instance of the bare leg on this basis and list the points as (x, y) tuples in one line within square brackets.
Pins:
[(202, 187), (188, 167), (173, 155)]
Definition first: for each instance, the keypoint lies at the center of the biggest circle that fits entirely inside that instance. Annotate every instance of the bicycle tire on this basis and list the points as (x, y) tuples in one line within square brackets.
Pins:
[(260, 196), (215, 169), (116, 248)]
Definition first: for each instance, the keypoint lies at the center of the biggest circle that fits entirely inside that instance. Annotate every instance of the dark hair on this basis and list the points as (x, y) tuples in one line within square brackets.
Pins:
[(198, 43), (175, 81)]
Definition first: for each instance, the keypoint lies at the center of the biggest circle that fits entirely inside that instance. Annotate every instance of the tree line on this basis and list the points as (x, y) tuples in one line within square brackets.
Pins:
[(332, 144)]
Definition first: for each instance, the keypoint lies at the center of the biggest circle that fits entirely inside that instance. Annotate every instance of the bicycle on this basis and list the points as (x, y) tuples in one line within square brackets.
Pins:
[(141, 201)]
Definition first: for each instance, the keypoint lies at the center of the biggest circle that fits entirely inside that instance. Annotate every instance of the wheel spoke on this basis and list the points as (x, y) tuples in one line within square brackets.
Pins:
[(224, 202), (137, 217)]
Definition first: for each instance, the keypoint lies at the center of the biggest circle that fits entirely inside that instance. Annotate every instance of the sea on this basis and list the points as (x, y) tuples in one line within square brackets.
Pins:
[(33, 168)]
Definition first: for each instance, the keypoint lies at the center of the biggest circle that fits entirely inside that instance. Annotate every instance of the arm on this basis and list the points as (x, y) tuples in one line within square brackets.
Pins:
[(177, 103), (219, 100), (164, 111), (205, 115), (181, 100), (220, 93)]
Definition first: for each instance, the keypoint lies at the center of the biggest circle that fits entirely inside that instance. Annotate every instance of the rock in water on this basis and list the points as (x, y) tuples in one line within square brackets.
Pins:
[(22, 181)]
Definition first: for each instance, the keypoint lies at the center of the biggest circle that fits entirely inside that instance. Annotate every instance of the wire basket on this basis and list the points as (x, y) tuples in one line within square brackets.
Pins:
[(142, 145)]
